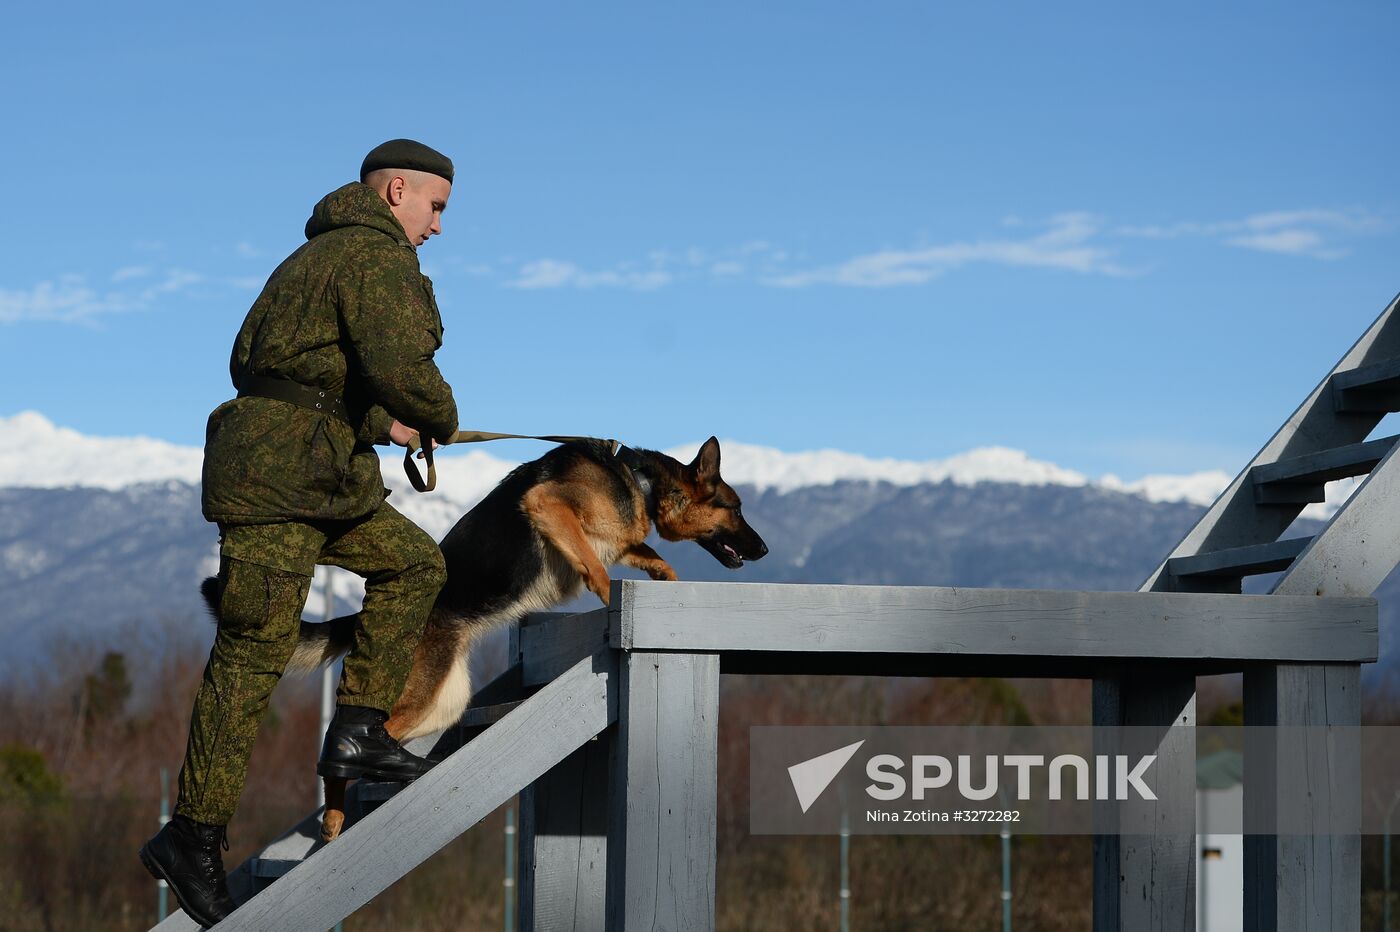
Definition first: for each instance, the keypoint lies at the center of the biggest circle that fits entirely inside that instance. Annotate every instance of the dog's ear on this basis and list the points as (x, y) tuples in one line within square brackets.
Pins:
[(706, 463)]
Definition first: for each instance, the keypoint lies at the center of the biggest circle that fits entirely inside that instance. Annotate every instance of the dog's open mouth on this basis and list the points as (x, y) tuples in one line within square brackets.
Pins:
[(723, 552)]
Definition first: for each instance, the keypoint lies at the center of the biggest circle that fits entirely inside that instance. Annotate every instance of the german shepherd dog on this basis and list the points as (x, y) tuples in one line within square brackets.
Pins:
[(551, 527)]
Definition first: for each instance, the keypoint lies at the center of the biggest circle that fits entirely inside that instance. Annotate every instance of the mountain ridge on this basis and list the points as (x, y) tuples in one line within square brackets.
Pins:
[(93, 563)]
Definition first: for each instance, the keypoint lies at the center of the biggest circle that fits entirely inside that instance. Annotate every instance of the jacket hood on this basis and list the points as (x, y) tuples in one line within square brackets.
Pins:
[(355, 205)]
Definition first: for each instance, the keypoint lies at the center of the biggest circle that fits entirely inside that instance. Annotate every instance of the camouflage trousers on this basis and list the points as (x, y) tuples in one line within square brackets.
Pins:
[(264, 578)]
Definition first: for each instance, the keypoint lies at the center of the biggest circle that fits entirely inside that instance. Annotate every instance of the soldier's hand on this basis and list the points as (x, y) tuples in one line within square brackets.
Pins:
[(401, 434)]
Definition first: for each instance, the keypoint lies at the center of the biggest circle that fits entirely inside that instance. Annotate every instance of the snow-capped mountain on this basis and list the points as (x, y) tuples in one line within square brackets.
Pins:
[(40, 454), (98, 534)]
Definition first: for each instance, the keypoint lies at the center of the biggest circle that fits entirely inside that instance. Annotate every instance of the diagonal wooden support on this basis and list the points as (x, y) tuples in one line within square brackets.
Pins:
[(1360, 545), (453, 797), (1314, 881)]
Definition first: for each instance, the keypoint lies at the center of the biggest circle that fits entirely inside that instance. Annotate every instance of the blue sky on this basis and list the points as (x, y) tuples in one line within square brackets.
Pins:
[(1123, 240)]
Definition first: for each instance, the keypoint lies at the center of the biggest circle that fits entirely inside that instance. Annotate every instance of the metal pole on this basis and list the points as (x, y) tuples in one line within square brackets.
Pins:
[(1005, 867), (162, 892), (1005, 877), (845, 872), (509, 882), (1385, 914)]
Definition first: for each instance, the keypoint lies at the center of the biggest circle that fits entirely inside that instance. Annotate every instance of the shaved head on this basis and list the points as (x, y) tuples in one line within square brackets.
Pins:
[(379, 178), (416, 198)]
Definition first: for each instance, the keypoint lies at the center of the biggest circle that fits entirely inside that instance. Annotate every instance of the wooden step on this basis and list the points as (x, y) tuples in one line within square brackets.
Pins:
[(479, 716), (1240, 561), (272, 868), (1368, 389), (1301, 479)]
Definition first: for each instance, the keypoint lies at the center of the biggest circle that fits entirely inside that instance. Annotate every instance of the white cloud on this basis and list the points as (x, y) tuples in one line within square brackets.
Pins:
[(175, 280), (659, 268), (1065, 245), (1311, 232), (1288, 242), (1354, 221), (1075, 241), (71, 300), (129, 272), (66, 300), (551, 273)]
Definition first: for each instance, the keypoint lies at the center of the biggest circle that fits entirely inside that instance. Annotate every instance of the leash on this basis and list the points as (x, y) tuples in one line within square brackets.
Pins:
[(422, 484), (281, 389)]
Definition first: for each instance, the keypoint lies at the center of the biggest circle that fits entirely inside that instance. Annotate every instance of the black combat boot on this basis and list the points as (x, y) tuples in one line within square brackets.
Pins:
[(186, 855), (357, 746)]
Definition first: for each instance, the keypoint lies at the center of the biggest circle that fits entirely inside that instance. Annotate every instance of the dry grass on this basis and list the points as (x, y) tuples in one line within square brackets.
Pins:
[(67, 860)]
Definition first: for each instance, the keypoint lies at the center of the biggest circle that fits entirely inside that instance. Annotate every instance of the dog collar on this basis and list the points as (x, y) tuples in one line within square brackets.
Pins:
[(634, 463)]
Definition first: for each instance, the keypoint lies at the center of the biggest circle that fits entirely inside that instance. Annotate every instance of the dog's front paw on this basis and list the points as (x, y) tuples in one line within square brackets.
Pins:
[(662, 573)]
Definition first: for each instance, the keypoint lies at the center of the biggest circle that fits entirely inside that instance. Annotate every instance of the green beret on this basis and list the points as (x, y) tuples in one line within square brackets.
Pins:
[(405, 153)]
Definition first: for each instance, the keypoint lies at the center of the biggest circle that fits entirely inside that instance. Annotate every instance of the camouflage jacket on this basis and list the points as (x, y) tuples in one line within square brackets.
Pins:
[(348, 312)]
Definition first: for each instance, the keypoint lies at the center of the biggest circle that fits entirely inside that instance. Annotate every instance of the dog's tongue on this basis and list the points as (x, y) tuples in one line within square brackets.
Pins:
[(732, 552)]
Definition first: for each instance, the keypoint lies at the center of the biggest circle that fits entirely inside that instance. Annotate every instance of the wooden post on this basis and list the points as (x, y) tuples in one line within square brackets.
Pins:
[(1147, 882), (661, 839), (564, 842), (1303, 882)]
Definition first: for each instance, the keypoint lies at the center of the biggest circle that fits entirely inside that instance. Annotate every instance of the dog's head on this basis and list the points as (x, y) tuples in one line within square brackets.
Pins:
[(698, 505)]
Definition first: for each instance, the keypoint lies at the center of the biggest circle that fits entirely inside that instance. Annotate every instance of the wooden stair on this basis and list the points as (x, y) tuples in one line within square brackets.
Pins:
[(1324, 440), (493, 753)]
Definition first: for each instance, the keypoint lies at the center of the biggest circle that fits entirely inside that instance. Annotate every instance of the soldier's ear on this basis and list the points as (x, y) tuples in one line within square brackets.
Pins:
[(394, 193)]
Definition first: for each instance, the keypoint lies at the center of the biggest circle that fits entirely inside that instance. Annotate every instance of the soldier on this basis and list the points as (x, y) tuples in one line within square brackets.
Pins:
[(336, 355)]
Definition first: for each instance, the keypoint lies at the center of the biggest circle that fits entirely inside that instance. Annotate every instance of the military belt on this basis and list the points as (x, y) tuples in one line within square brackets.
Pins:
[(317, 399)]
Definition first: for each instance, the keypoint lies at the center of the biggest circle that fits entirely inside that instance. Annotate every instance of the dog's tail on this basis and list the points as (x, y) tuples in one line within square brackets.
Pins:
[(317, 645)]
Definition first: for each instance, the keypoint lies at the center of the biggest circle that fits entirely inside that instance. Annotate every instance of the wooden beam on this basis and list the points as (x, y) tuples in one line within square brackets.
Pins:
[(552, 643), (1145, 880), (449, 799), (1299, 882), (564, 842), (691, 616), (832, 663), (662, 823)]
